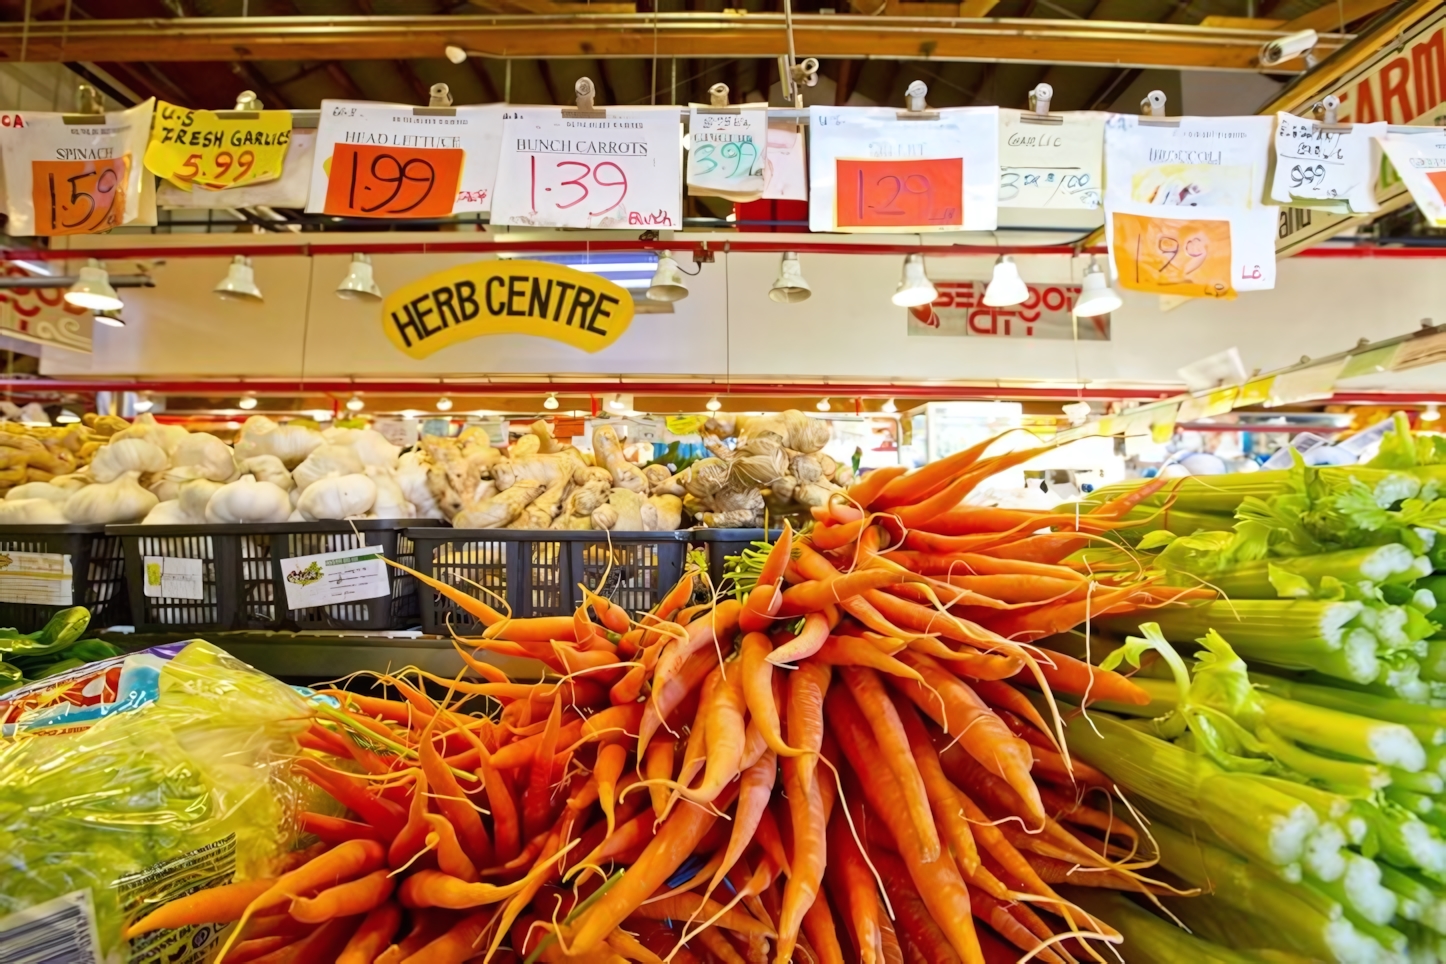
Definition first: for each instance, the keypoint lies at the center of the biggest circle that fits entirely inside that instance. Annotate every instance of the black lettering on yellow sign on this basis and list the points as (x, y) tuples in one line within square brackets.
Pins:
[(507, 297)]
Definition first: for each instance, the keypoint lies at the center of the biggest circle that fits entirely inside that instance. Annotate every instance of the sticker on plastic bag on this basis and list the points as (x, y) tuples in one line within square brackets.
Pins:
[(871, 171), (213, 865), (64, 177), (62, 929)]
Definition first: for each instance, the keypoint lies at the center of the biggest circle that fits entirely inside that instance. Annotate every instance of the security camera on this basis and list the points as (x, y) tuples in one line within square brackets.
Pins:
[(455, 54), (1288, 47)]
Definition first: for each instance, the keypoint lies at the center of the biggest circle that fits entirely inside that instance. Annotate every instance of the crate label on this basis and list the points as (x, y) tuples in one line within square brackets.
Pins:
[(36, 578), (330, 578), (169, 577)]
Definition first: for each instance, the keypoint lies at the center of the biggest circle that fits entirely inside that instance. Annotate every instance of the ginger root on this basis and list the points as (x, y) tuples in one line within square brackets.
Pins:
[(609, 453)]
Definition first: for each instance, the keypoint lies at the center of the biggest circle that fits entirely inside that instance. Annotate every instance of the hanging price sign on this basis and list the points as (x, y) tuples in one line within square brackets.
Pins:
[(1173, 256), (200, 148), (727, 152), (78, 197), (871, 170), (1328, 166), (566, 169), (385, 161), (1420, 160), (392, 182), (900, 193), (73, 175)]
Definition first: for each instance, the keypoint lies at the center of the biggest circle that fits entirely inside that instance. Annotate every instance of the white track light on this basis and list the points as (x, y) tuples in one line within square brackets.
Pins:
[(550, 402), (248, 402), (713, 404), (823, 405), (444, 404), (668, 283), (1096, 295), (92, 289), (240, 281), (359, 284), (889, 407), (789, 287), (1006, 288), (915, 288), (355, 404)]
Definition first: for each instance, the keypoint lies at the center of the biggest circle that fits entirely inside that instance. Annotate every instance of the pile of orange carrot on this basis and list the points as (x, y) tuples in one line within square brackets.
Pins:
[(852, 760)]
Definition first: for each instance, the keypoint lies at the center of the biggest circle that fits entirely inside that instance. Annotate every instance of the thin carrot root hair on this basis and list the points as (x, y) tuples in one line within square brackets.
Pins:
[(854, 831)]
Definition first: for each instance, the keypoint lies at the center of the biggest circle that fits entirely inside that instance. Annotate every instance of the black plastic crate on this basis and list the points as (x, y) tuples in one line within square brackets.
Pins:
[(537, 571), (97, 574), (721, 543), (242, 580)]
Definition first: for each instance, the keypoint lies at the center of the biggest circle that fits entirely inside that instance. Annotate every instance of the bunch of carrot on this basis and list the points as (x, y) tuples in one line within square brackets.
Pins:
[(849, 759)]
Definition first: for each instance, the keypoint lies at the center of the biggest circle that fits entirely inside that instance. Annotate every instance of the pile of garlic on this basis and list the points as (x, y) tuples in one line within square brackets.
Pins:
[(163, 475)]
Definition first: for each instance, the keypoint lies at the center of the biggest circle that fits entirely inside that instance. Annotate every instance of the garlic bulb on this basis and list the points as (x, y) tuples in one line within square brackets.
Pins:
[(169, 514), (337, 497), (31, 512), (289, 443), (268, 468), (412, 478), (145, 427), (38, 490), (129, 454), (121, 500), (373, 448), (195, 495), (390, 502), (208, 456), (326, 460), (247, 500)]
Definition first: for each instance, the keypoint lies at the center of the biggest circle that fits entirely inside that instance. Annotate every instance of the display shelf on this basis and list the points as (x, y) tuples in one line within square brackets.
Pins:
[(319, 656)]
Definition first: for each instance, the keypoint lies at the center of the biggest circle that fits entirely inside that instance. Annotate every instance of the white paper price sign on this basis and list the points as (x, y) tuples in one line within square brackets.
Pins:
[(1420, 159), (329, 578), (564, 171), (869, 171), (785, 163), (727, 152), (1051, 161), (1215, 162), (1329, 166), (386, 161), (73, 178), (167, 577)]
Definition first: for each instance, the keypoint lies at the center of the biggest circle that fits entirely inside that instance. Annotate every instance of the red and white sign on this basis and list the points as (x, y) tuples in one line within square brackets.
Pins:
[(960, 312), (619, 171)]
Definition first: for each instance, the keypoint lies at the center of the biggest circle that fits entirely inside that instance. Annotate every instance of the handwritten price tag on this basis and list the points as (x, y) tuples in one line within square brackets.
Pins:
[(198, 148), (1326, 166), (726, 158), (896, 193), (1172, 256), (368, 181), (79, 197)]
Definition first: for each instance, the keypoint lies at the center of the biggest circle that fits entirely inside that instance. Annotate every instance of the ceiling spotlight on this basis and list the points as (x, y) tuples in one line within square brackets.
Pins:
[(247, 402), (618, 402), (240, 281), (789, 287), (889, 407), (1096, 295), (92, 289), (444, 404), (550, 402), (713, 404), (668, 284), (823, 405), (355, 404), (66, 417), (111, 318), (914, 289), (455, 54), (143, 404), (1006, 288), (359, 285), (1431, 414)]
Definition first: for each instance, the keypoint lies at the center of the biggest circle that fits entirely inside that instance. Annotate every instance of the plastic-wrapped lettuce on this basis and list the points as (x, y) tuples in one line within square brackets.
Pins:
[(132, 781)]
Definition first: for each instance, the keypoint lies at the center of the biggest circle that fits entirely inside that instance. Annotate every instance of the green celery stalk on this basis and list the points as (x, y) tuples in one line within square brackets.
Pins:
[(1181, 522), (1375, 564), (1304, 625), (1344, 733), (1427, 722), (1416, 899), (1360, 890), (1349, 777), (1151, 939)]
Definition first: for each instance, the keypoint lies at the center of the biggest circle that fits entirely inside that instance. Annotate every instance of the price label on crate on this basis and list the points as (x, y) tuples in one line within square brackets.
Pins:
[(900, 193), (329, 578), (168, 577), (618, 171), (870, 170), (67, 174), (197, 148), (387, 161), (36, 578)]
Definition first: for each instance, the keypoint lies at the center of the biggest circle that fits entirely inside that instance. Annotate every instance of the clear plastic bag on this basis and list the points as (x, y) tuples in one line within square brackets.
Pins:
[(129, 782)]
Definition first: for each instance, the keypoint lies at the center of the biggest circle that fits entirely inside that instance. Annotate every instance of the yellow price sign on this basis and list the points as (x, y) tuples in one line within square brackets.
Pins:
[(685, 424), (199, 148)]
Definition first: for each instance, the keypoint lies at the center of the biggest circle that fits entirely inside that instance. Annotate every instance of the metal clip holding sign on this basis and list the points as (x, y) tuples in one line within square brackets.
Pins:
[(90, 106), (586, 93), (1152, 110), (915, 96), (1329, 108), (248, 107), (1038, 112), (718, 97), (439, 104), (802, 74)]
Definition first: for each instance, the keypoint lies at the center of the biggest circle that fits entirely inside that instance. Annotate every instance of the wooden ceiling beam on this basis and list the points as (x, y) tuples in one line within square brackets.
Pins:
[(700, 35)]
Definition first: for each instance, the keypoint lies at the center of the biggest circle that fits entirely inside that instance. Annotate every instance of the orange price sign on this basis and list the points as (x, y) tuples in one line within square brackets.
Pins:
[(1173, 256), (899, 194), (78, 197), (374, 181)]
